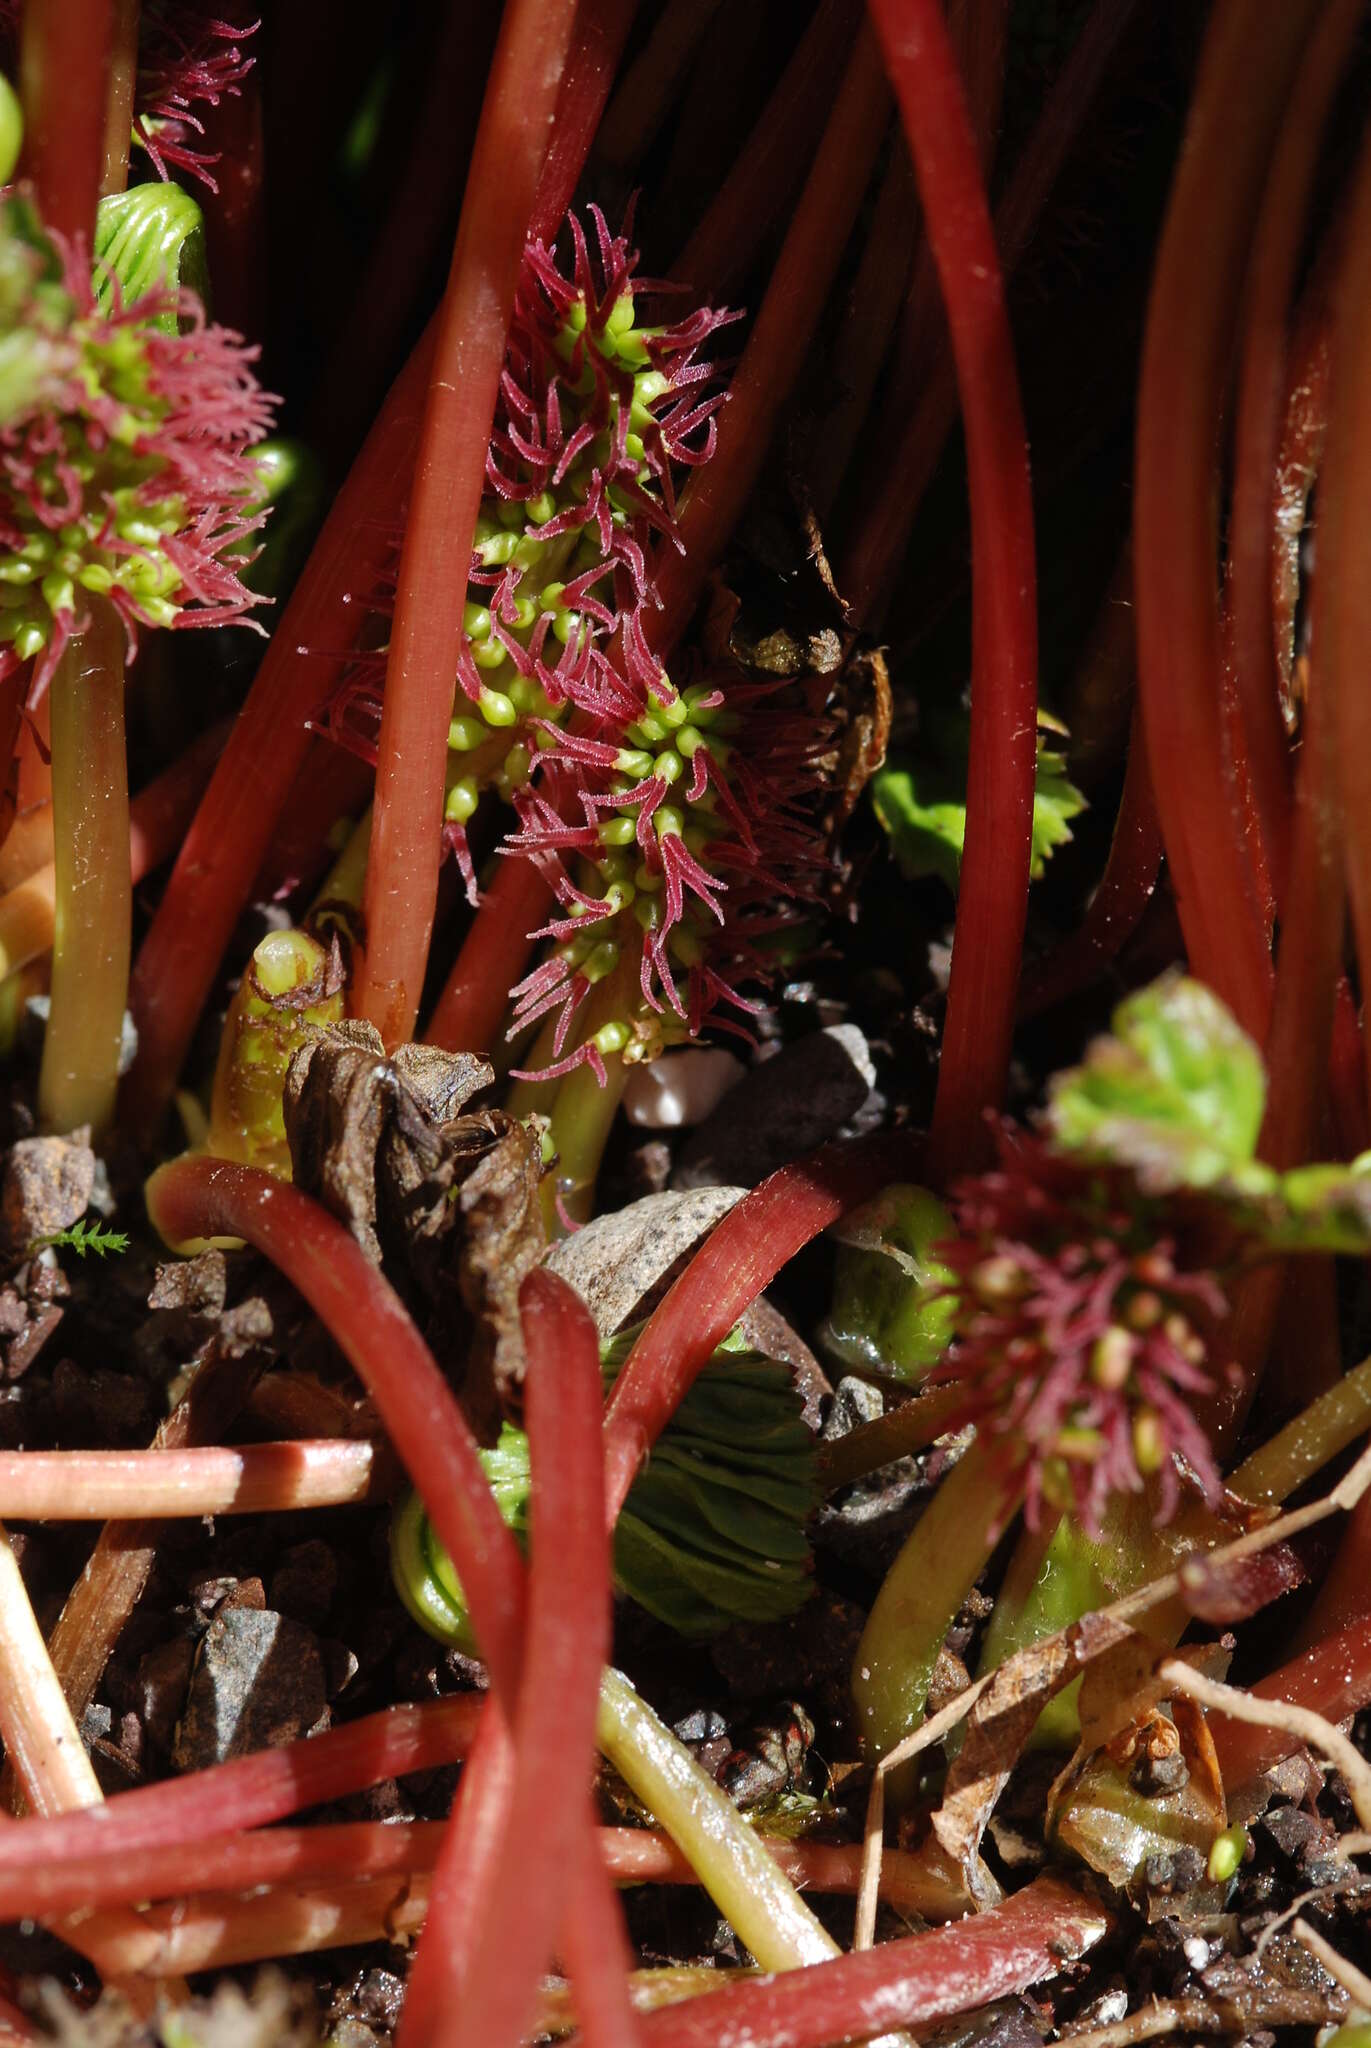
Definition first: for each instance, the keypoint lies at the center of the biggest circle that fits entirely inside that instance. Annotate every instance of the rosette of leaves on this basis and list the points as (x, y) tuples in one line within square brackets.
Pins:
[(713, 1531)]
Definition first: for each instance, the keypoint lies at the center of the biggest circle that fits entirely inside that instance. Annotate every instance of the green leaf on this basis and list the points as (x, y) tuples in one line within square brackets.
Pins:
[(1318, 1209), (1056, 801), (713, 1531), (11, 130), (923, 808), (892, 1309), (149, 239), (1175, 1091), (82, 1238)]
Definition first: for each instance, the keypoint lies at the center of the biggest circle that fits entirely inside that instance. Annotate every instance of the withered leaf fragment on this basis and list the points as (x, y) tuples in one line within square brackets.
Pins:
[(444, 1197), (997, 1733)]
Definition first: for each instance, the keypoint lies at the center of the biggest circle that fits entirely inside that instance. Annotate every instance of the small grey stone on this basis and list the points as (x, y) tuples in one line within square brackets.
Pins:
[(258, 1682), (783, 1108), (854, 1402)]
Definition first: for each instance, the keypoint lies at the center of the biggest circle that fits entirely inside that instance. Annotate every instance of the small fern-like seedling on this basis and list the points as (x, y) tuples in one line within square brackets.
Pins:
[(82, 1238)]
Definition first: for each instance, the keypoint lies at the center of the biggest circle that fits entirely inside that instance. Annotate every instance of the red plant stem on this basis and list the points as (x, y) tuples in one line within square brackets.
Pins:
[(599, 1959), (251, 1791), (516, 1912), (1344, 1598), (602, 28), (716, 494), (426, 630), (908, 1982), (1332, 1678), (1121, 897), (770, 166), (978, 34), (1256, 843), (331, 784), (1261, 408), (1343, 585), (64, 64), (118, 1867), (13, 691), (27, 846), (98, 1486), (1303, 435), (1309, 964), (492, 959), (312, 643), (158, 817), (466, 1859), (647, 87), (992, 903), (191, 1198), (869, 315), (740, 1258), (201, 1197), (1248, 58), (924, 396)]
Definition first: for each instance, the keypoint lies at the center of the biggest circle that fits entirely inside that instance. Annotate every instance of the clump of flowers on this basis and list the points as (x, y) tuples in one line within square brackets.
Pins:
[(124, 439), (596, 414), (695, 841), (186, 59), (1081, 1332)]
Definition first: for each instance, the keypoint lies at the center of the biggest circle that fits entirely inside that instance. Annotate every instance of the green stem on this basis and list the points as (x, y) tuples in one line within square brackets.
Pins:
[(344, 880), (123, 79), (582, 1117), (942, 1558), (756, 1898), (94, 891), (1327, 1426)]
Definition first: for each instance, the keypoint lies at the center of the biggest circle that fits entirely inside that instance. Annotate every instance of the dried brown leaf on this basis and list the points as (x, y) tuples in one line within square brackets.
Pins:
[(447, 1197), (997, 1733)]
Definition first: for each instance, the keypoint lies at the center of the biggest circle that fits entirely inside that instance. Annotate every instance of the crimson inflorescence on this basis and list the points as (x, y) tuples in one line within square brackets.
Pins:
[(124, 454), (672, 818), (1082, 1333), (186, 59)]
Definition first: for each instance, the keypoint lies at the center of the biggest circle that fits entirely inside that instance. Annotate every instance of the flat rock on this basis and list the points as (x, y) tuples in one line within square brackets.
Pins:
[(617, 1260), (258, 1682), (782, 1108)]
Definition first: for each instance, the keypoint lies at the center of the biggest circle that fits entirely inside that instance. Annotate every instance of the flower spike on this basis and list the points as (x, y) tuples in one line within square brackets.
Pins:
[(123, 454), (1081, 1335)]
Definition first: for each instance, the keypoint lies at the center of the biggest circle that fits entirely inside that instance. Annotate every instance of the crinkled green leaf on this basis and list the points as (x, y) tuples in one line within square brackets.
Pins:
[(1175, 1091), (150, 238), (714, 1529), (923, 807)]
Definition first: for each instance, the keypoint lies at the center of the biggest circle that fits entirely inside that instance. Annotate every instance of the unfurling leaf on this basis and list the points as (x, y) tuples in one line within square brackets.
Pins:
[(893, 1310), (1175, 1091), (922, 806)]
